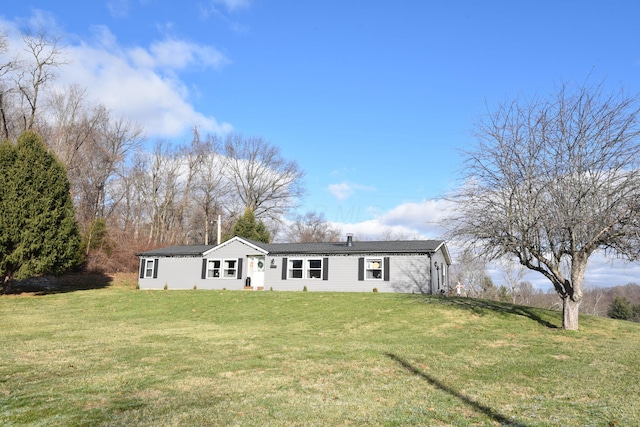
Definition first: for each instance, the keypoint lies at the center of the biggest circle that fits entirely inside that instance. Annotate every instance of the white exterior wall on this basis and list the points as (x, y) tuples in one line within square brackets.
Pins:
[(185, 273), (407, 273)]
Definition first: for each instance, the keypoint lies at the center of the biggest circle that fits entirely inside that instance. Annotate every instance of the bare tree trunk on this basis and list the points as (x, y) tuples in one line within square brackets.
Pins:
[(570, 310)]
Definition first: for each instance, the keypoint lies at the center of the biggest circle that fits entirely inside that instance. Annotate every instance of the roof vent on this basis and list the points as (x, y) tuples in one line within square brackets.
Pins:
[(349, 239)]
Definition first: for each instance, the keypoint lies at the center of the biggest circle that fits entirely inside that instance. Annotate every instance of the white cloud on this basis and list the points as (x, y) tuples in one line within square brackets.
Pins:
[(180, 54), (406, 221), (138, 83), (143, 84), (344, 190), (425, 216), (341, 191)]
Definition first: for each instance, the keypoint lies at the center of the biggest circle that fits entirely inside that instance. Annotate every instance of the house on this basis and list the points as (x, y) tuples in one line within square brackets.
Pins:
[(411, 266)]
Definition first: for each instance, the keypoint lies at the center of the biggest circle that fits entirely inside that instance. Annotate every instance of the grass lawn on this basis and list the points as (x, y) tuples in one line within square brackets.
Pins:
[(121, 357)]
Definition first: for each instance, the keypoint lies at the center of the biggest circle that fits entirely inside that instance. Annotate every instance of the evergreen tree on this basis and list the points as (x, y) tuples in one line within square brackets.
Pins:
[(38, 231), (620, 308), (248, 227), (9, 225)]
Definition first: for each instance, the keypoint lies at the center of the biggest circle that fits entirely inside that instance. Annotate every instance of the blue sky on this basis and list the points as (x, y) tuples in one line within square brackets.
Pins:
[(373, 99)]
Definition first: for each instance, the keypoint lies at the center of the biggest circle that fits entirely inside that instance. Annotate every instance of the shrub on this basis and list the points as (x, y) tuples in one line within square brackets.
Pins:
[(304, 289), (620, 308), (166, 286), (375, 290)]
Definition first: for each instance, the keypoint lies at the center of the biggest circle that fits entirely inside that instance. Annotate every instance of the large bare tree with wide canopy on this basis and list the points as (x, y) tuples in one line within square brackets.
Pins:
[(551, 180)]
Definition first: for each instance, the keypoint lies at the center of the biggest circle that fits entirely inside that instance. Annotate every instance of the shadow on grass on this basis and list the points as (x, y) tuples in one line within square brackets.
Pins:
[(478, 306), (491, 413), (47, 285)]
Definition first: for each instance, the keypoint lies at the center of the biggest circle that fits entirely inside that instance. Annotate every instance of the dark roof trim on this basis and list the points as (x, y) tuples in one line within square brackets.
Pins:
[(331, 248)]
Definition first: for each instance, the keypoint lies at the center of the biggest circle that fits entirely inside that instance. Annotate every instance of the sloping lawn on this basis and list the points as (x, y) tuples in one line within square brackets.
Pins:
[(121, 357)]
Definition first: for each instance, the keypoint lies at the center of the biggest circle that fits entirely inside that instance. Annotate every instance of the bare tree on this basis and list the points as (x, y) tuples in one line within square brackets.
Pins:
[(211, 186), (312, 227), (43, 57), (165, 183), (262, 179), (96, 165), (470, 272), (553, 179), (134, 209), (525, 291), (6, 69), (74, 123), (513, 273)]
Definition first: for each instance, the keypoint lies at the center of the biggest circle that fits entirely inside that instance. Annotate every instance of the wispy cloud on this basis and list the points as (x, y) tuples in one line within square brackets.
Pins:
[(223, 9), (232, 5), (344, 190), (178, 54), (118, 8)]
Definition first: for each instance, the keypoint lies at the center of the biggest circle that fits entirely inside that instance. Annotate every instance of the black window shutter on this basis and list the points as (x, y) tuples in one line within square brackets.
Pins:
[(155, 268), (360, 269), (284, 268), (239, 268), (142, 265), (325, 268), (204, 269), (386, 269)]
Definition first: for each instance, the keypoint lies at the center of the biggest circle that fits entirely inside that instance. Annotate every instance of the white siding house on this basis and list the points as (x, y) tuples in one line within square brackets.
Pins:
[(411, 266)]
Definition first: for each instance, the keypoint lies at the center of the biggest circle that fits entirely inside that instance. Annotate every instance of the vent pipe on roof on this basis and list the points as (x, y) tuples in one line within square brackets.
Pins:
[(349, 239)]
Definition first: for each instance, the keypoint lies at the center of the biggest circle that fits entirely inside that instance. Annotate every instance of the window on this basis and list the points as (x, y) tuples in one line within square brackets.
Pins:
[(230, 268), (373, 268), (314, 269), (213, 268), (305, 268), (148, 270), (222, 268), (295, 269)]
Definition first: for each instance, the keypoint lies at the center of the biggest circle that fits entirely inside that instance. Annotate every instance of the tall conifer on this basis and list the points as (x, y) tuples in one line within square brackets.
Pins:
[(38, 231)]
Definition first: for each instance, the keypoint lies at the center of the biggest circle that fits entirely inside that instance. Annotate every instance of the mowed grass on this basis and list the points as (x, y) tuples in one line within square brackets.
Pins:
[(121, 357)]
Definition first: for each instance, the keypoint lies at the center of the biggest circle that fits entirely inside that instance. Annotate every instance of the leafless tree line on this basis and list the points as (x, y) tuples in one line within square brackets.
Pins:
[(147, 194), (472, 274)]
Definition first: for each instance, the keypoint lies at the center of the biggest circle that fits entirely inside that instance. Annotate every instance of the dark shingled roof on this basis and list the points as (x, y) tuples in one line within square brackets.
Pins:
[(398, 246), (178, 251)]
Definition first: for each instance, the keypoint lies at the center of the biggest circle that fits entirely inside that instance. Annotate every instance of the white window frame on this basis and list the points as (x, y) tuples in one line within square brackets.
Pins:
[(293, 267), (230, 268), (227, 268), (303, 268), (370, 268), (212, 269), (319, 269), (149, 266)]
